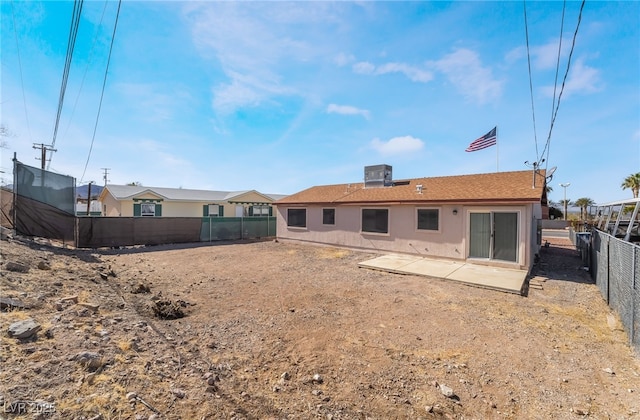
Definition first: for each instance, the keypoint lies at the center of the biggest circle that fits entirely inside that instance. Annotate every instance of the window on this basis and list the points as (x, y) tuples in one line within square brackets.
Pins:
[(213, 210), (428, 219), (375, 220), (297, 217), (259, 211), (147, 209), (328, 216)]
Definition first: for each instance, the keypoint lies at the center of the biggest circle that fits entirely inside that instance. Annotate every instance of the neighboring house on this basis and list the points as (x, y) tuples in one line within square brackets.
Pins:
[(94, 208), (133, 201), (485, 218)]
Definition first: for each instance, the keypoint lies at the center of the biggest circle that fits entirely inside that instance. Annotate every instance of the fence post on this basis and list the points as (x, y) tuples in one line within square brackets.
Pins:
[(608, 271), (632, 331)]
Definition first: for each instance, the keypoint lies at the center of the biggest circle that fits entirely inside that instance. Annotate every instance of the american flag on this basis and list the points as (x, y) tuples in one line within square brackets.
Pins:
[(483, 142)]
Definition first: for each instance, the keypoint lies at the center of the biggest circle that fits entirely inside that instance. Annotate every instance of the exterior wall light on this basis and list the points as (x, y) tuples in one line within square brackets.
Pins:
[(455, 212)]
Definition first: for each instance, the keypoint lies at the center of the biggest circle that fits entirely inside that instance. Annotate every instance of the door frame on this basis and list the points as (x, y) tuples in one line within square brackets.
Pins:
[(491, 211)]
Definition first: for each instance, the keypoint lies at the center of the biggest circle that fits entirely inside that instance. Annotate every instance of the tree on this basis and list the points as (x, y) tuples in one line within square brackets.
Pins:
[(583, 203), (565, 204), (4, 134), (633, 183), (555, 213)]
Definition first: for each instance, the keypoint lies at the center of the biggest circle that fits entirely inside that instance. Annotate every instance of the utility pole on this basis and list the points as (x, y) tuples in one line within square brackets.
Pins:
[(89, 199), (43, 148), (565, 185), (106, 173)]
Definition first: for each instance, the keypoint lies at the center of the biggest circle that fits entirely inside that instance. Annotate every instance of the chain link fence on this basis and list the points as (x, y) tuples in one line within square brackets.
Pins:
[(614, 264)]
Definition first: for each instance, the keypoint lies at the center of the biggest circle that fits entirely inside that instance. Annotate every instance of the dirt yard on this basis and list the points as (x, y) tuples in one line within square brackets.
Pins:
[(272, 330)]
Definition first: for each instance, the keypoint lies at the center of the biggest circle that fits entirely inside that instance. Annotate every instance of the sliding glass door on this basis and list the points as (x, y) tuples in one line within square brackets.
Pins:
[(494, 235)]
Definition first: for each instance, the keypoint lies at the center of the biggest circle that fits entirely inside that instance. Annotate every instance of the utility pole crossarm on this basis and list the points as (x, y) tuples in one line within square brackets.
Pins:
[(43, 148), (105, 176)]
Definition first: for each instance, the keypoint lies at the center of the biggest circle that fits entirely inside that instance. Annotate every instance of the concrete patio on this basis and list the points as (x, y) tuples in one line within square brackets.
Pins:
[(496, 278)]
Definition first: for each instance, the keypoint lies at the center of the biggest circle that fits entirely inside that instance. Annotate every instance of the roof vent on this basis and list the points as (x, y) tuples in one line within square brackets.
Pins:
[(377, 176), (419, 188)]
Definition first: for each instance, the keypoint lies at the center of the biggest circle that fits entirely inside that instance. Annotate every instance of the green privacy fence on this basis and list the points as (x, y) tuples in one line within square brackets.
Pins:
[(234, 228), (43, 205)]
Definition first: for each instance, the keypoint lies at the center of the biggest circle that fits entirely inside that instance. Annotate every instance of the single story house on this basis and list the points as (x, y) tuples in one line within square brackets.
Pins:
[(489, 218), (86, 208), (134, 200)]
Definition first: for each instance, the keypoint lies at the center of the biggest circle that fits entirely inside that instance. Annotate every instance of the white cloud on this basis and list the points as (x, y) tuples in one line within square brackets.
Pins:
[(246, 51), (228, 97), (465, 71), (546, 56), (343, 59), (515, 55), (256, 45), (397, 145), (412, 73), (347, 110), (364, 67), (153, 102), (582, 79)]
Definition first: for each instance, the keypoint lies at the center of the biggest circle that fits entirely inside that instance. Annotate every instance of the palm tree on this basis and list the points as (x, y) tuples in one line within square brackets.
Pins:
[(632, 182), (583, 203)]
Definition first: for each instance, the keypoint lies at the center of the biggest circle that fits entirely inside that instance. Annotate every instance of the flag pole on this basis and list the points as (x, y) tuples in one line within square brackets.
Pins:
[(497, 151)]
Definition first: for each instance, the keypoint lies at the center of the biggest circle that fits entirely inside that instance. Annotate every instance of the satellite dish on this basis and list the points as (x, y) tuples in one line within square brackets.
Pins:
[(551, 171)]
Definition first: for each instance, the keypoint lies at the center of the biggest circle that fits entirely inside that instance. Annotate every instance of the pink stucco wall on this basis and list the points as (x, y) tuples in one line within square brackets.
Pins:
[(449, 242)]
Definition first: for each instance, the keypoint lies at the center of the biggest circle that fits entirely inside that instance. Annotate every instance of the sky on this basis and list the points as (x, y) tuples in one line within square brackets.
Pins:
[(282, 96)]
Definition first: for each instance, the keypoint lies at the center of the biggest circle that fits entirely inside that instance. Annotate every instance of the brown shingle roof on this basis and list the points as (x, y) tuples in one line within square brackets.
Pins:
[(507, 187)]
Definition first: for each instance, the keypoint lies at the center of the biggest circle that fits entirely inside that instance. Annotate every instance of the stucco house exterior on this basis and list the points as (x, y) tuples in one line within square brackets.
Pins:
[(488, 219), (133, 201)]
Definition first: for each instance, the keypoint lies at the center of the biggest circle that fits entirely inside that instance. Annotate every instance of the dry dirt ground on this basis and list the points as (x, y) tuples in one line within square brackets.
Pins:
[(275, 330)]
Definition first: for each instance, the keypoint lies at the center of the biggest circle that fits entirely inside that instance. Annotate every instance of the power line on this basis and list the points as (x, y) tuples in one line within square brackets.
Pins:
[(533, 112), (24, 98), (564, 80), (555, 82), (73, 33), (104, 83), (86, 69)]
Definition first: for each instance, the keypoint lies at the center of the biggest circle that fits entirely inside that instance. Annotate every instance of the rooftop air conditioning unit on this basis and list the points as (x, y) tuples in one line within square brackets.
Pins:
[(377, 176)]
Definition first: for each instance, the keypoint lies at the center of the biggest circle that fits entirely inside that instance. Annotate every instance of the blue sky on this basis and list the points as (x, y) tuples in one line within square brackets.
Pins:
[(279, 97)]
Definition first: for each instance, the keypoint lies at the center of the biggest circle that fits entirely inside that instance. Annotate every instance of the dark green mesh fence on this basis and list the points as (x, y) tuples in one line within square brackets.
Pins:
[(235, 228), (44, 203)]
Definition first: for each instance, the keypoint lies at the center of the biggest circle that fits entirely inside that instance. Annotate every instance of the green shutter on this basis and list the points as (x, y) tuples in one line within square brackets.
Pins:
[(220, 210), (205, 210), (158, 210), (250, 210), (270, 211), (136, 209)]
